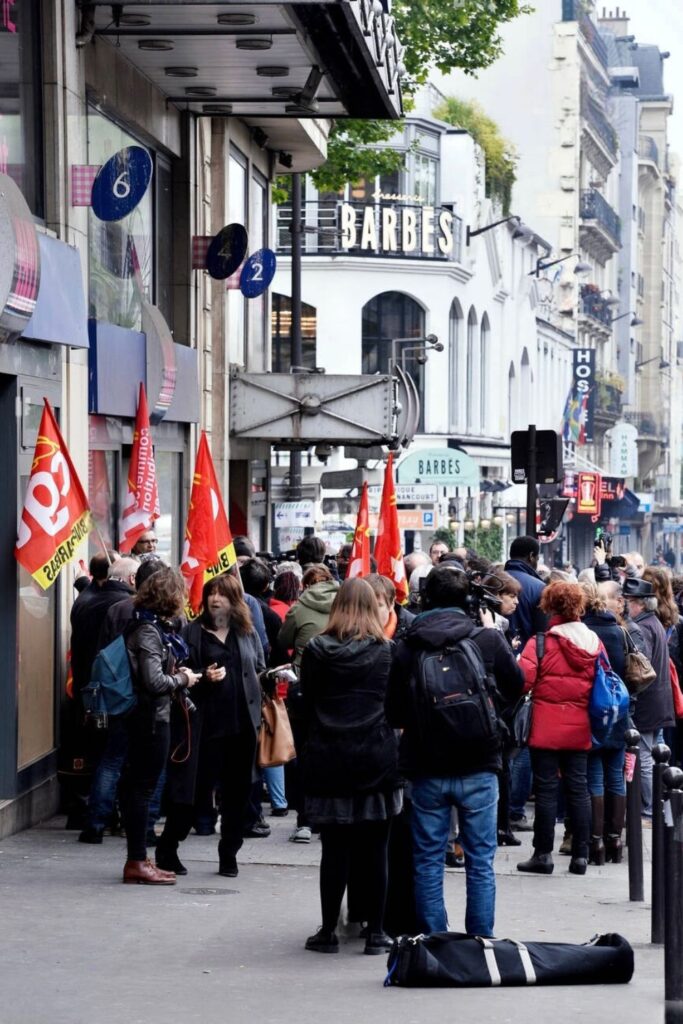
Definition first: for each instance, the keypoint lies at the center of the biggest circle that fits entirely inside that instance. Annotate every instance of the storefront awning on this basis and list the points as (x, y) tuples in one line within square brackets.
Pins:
[(60, 315)]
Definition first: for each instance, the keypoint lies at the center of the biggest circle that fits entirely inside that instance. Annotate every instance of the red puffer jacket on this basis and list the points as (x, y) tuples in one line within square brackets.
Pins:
[(562, 690)]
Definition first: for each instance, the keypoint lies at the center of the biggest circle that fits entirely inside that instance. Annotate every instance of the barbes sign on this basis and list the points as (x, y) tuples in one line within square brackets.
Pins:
[(439, 466), (423, 231)]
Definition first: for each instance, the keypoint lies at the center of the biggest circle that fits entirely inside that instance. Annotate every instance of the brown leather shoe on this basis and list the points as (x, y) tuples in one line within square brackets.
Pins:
[(143, 872)]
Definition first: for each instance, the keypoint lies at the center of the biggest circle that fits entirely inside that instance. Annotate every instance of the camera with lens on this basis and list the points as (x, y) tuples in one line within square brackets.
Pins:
[(185, 701), (480, 598)]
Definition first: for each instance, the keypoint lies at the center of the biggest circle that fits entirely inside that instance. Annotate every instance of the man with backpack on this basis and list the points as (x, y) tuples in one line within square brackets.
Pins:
[(446, 676)]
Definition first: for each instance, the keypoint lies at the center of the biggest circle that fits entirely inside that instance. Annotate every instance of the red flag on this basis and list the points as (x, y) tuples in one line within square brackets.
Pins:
[(388, 553), (141, 507), (208, 549), (56, 516), (359, 562)]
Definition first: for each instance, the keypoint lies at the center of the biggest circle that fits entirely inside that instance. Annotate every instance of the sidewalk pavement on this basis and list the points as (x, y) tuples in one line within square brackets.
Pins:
[(78, 947)]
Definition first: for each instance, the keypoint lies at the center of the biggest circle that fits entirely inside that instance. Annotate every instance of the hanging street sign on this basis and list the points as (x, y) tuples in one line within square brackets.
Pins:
[(121, 183), (226, 251), (407, 494), (257, 273), (439, 466), (624, 449)]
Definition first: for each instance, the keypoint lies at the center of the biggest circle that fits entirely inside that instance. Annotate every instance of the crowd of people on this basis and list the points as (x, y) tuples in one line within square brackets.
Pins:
[(408, 759)]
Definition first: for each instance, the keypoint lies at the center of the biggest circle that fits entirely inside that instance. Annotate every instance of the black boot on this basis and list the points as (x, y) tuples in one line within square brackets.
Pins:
[(323, 942), (539, 864), (508, 839), (166, 856), (597, 845), (614, 824)]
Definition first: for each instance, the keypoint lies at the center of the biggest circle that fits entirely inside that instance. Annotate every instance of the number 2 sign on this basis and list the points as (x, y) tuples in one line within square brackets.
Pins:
[(121, 183), (257, 273)]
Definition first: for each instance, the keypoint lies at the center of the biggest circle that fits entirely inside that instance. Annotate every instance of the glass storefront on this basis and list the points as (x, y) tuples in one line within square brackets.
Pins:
[(21, 108)]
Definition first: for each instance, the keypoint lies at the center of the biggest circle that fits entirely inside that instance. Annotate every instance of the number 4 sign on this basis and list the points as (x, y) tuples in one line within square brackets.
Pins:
[(121, 183), (257, 273)]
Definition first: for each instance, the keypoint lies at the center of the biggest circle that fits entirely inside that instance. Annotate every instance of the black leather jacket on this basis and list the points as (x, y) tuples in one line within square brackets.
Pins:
[(152, 665)]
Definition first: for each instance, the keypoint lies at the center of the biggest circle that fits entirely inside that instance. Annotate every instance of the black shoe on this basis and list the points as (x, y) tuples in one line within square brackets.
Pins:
[(521, 824), (508, 839), (454, 860), (323, 942), (279, 812), (539, 864), (205, 830), (578, 865), (378, 943), (259, 830), (228, 868), (170, 862), (91, 835)]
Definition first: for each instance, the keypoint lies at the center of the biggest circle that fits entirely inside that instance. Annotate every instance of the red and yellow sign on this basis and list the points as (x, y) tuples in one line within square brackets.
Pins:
[(589, 494), (56, 516)]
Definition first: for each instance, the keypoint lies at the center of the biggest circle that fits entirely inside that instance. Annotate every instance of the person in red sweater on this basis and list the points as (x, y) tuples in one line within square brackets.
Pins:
[(560, 681)]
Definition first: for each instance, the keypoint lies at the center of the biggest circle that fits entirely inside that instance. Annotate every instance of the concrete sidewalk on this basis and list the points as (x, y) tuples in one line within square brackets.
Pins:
[(78, 947)]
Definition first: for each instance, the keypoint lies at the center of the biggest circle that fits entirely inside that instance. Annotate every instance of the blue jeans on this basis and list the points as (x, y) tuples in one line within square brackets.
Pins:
[(274, 779), (476, 799), (606, 772), (105, 781), (520, 782)]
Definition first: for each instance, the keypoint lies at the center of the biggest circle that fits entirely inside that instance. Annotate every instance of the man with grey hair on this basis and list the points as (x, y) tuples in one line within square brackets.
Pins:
[(654, 707)]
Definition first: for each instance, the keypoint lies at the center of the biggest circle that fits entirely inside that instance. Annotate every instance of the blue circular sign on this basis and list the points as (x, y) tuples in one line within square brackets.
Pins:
[(257, 273), (121, 183), (226, 251)]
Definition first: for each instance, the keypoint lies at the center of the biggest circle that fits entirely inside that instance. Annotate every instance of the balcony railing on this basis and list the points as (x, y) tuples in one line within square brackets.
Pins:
[(575, 10), (609, 396), (595, 207), (333, 227), (646, 424), (593, 305), (591, 110)]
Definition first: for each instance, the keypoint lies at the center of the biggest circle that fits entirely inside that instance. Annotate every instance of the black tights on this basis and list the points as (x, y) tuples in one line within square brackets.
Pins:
[(344, 846)]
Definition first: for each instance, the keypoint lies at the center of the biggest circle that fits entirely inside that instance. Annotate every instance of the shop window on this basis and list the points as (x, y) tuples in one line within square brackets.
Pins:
[(237, 214), (424, 184), (168, 526), (471, 371), (484, 342), (281, 333), (102, 492), (258, 238), (21, 106), (386, 317), (455, 359), (163, 185)]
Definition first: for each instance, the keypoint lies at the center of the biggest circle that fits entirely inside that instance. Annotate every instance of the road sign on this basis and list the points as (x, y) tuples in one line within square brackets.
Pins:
[(439, 466), (342, 479), (294, 513), (410, 519), (408, 494), (548, 456), (121, 183), (257, 273), (226, 251)]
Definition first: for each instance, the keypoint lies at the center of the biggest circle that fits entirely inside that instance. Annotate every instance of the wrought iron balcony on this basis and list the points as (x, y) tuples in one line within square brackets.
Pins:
[(600, 231), (575, 10), (593, 113), (594, 306), (334, 227)]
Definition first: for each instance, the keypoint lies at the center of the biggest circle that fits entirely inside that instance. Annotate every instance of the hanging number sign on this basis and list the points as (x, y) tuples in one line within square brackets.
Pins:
[(121, 183), (226, 251), (257, 273)]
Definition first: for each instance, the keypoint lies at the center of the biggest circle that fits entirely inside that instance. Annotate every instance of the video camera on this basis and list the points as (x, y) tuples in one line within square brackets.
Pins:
[(481, 598)]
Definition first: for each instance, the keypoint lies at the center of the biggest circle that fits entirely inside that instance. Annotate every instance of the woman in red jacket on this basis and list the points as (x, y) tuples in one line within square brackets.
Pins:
[(560, 735)]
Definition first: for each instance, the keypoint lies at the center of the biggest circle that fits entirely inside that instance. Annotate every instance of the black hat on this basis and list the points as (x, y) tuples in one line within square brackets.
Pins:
[(637, 588)]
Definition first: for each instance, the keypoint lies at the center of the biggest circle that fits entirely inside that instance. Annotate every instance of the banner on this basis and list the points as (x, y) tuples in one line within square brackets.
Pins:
[(388, 553), (579, 410), (359, 562), (141, 508), (56, 517), (208, 550)]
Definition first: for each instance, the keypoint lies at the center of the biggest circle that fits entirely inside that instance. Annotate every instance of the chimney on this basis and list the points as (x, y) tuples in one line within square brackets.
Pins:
[(615, 22)]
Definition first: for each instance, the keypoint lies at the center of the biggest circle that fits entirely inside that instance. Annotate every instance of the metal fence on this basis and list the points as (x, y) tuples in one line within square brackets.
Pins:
[(595, 207)]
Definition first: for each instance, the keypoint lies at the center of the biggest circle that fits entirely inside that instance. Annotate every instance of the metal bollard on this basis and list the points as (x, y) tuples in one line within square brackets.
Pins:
[(673, 920), (634, 825), (660, 755)]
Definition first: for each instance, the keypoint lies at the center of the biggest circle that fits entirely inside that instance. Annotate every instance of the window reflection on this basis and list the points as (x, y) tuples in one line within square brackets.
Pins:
[(21, 123)]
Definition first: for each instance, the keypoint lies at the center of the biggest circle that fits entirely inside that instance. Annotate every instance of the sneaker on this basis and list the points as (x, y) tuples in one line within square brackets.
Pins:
[(521, 824), (322, 941), (301, 835), (259, 830), (455, 857)]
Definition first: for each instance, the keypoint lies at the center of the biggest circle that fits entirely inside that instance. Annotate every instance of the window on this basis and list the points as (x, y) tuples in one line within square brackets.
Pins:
[(21, 106), (470, 396), (163, 184), (281, 330), (237, 214), (386, 317), (455, 325), (483, 382), (425, 179), (258, 238)]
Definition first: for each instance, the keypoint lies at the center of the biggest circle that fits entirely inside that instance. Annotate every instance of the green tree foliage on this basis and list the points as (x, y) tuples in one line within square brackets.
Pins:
[(487, 543), (501, 157), (440, 34)]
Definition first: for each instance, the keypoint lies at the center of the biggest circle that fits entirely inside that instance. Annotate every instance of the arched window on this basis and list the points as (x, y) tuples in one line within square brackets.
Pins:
[(455, 363), (470, 396), (512, 399), (484, 340), (386, 317), (281, 323)]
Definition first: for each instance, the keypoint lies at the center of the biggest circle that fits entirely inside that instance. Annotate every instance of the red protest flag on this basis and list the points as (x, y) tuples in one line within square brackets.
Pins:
[(141, 507), (388, 553), (359, 562), (56, 516), (208, 549)]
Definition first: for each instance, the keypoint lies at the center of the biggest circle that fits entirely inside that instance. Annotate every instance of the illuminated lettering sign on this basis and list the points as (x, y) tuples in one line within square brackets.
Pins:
[(407, 230)]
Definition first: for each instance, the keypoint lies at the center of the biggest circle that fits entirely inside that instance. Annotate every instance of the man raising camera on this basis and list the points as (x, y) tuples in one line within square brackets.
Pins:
[(441, 693)]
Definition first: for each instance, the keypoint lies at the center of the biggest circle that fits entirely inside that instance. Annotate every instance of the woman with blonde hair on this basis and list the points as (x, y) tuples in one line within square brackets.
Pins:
[(349, 759)]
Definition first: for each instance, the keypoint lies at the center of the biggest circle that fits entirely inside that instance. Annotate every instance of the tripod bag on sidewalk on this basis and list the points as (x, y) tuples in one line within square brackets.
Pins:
[(450, 959)]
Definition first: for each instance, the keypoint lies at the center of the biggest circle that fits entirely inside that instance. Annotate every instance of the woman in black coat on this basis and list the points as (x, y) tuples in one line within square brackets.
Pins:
[(154, 650), (349, 758), (225, 649)]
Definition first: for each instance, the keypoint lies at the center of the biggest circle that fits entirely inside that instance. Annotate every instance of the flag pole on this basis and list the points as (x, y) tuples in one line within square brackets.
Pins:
[(101, 540)]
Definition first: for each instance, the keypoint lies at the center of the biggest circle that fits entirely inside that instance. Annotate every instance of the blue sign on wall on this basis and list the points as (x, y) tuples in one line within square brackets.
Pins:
[(121, 183), (257, 273), (226, 251)]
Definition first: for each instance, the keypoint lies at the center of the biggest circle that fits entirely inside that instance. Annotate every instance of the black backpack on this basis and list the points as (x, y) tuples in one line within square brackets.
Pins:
[(455, 697)]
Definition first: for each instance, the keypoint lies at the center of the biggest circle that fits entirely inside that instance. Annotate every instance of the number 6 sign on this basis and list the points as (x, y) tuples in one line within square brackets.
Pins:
[(257, 273), (121, 183)]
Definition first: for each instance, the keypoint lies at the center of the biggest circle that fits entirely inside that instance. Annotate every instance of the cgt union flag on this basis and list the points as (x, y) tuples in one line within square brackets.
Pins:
[(208, 549), (359, 562), (56, 517), (142, 500), (388, 553)]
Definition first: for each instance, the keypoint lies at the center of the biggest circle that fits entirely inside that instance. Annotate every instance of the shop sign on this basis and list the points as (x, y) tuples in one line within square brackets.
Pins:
[(294, 513), (439, 466), (121, 183), (583, 387), (588, 497), (425, 231), (411, 519), (407, 494), (646, 499), (19, 260), (611, 488), (257, 273), (624, 452), (226, 251)]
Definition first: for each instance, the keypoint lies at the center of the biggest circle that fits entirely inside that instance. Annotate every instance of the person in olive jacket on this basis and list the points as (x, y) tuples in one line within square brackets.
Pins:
[(349, 759)]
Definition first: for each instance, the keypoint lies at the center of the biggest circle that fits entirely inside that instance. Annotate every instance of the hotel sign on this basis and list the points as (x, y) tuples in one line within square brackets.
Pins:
[(406, 230)]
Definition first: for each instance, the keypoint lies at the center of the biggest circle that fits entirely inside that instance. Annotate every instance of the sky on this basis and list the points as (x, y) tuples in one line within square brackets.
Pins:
[(661, 22)]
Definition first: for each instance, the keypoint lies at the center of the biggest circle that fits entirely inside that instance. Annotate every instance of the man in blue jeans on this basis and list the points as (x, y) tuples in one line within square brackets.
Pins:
[(447, 774)]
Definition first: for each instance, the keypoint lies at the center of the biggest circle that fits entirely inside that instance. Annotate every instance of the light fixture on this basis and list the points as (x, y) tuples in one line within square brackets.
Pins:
[(259, 137), (582, 268), (286, 159), (135, 20), (485, 524), (636, 322), (454, 525), (522, 232), (663, 364), (469, 524), (610, 299), (480, 231), (509, 519), (542, 263), (497, 520), (272, 71), (157, 45), (181, 71), (200, 91), (254, 42), (217, 108), (236, 19)]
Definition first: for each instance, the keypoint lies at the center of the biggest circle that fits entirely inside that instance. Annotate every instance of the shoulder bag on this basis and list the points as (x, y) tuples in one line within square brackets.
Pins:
[(275, 739), (521, 716), (638, 671)]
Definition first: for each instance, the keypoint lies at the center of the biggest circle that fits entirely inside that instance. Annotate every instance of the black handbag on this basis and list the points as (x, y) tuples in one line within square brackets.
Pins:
[(520, 719), (453, 960)]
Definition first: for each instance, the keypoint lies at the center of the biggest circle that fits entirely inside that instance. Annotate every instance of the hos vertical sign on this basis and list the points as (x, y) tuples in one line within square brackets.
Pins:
[(583, 383)]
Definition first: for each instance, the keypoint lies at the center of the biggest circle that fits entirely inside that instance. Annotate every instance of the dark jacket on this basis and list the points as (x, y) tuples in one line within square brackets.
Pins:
[(115, 621), (527, 619), (404, 618), (432, 631), (153, 670), (87, 616), (350, 747), (251, 658), (612, 635), (654, 707)]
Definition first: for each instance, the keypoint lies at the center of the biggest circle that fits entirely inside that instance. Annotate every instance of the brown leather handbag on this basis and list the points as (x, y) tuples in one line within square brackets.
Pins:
[(638, 670), (275, 740)]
